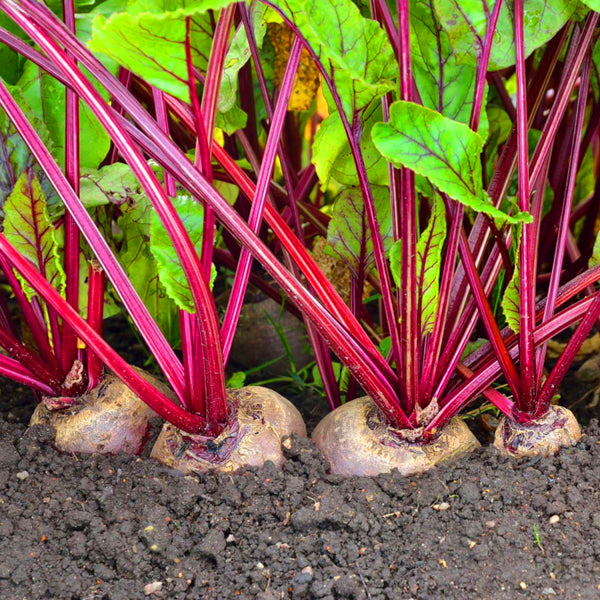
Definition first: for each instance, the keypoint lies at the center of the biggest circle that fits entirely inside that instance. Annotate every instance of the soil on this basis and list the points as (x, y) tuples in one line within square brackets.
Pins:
[(123, 527)]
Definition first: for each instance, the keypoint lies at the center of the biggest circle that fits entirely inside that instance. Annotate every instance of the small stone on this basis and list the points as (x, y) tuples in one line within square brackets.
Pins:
[(152, 588), (490, 524), (230, 538), (22, 475), (441, 506), (523, 585), (548, 591), (553, 519), (308, 570), (303, 578), (259, 565)]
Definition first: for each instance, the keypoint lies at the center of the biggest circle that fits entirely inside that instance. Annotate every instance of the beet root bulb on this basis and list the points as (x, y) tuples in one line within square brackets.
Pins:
[(105, 420), (545, 436), (356, 440), (261, 418)]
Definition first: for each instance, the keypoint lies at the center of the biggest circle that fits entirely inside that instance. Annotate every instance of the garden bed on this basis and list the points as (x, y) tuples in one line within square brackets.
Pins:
[(124, 527)]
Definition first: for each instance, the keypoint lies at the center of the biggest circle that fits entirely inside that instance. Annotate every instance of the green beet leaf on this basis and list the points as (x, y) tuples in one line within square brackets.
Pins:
[(595, 258), (170, 271), (429, 262), (11, 63), (593, 4), (46, 99), (511, 300), (112, 184), (231, 120), (238, 55), (354, 50), (466, 22), (149, 39), (332, 156), (28, 227), (348, 237), (445, 151), (142, 269), (445, 84), (15, 156)]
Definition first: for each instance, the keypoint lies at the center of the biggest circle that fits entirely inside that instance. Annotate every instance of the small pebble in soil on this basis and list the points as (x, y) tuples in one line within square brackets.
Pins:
[(441, 506), (152, 588), (548, 592), (22, 475), (553, 519)]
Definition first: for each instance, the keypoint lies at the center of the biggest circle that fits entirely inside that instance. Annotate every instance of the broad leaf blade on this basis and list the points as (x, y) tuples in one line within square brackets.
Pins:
[(445, 84), (142, 269), (348, 235), (355, 51), (112, 184), (46, 99), (445, 151), (511, 300), (238, 55), (15, 156), (171, 273), (332, 156), (429, 261), (28, 227), (466, 22), (149, 39)]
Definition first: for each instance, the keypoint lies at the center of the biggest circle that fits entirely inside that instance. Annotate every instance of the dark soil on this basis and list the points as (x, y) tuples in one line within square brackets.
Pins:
[(121, 527)]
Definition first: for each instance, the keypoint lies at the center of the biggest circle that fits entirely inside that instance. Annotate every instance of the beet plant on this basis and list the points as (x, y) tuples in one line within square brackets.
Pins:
[(207, 426), (421, 145)]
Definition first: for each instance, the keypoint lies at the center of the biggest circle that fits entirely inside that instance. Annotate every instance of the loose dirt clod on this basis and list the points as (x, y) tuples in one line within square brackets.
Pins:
[(356, 440)]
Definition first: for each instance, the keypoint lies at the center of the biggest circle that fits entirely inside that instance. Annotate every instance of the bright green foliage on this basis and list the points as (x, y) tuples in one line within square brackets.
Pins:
[(429, 263), (46, 99), (149, 39), (170, 271), (10, 62), (595, 258), (28, 227), (511, 300), (232, 120), (15, 156), (238, 55), (593, 4), (429, 254), (332, 156), (116, 184), (348, 233), (355, 51), (142, 269), (445, 151), (445, 84), (112, 184), (466, 22)]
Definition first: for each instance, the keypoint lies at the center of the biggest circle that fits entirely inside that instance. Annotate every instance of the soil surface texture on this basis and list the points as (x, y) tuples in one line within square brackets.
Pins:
[(123, 527)]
